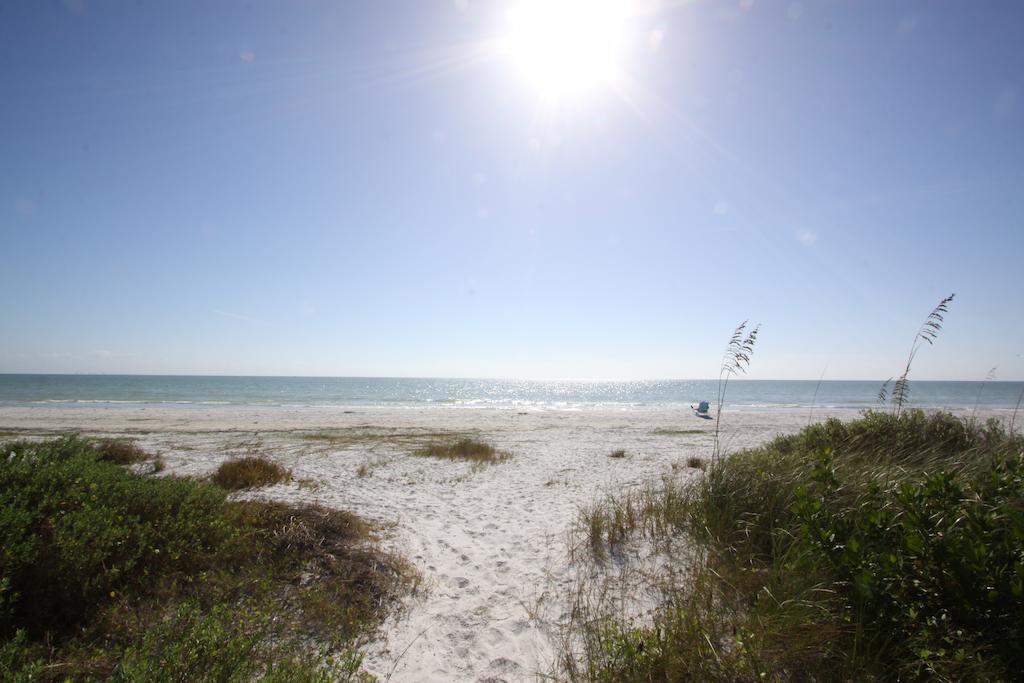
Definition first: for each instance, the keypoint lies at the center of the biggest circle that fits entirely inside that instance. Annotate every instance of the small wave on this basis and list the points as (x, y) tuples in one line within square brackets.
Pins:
[(111, 401)]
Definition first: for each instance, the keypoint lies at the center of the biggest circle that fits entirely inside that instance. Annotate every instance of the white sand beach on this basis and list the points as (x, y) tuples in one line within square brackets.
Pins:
[(489, 542)]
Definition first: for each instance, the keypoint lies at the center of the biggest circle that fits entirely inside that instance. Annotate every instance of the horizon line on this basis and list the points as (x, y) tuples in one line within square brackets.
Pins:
[(488, 379)]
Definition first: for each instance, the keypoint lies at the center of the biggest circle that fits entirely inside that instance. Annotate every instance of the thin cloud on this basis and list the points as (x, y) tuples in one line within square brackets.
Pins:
[(234, 316), (908, 24), (806, 237)]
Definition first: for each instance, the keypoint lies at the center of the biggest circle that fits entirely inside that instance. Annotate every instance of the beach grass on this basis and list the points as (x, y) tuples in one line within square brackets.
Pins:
[(331, 437), (889, 547), (249, 472), (108, 574), (681, 432), (926, 334), (604, 526), (473, 450), (377, 438)]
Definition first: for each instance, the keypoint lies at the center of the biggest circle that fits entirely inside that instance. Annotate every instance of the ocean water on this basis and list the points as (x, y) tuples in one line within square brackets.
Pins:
[(114, 390)]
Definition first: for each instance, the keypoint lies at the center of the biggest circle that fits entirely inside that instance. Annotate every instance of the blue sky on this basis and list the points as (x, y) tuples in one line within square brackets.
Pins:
[(364, 188)]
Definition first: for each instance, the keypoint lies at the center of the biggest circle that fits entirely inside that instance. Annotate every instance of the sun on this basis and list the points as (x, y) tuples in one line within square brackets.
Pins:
[(567, 48)]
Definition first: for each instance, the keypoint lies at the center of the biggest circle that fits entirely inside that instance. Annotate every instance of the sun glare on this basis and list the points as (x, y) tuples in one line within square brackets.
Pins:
[(565, 48)]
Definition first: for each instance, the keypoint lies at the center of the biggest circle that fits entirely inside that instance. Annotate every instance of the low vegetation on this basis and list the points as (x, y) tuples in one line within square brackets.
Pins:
[(341, 436), (890, 547), (249, 472), (680, 432), (108, 574), (620, 453), (477, 452), (121, 452), (651, 512)]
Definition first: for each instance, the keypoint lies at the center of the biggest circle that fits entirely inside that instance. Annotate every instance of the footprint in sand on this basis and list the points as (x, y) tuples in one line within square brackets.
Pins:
[(504, 666), (495, 637)]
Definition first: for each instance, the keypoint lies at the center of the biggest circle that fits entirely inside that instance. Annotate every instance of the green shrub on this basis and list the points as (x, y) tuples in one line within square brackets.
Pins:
[(94, 557), (914, 438), (746, 503), (75, 528), (934, 564), (883, 548), (250, 472), (193, 644), (16, 663)]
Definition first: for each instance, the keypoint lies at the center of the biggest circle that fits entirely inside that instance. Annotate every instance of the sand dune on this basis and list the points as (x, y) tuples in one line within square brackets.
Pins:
[(489, 542)]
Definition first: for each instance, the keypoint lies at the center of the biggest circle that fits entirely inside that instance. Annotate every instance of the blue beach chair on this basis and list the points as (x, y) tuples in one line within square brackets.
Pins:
[(702, 410)]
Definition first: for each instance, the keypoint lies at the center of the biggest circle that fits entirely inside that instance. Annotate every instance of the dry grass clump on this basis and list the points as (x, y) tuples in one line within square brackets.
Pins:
[(478, 452), (620, 453), (607, 524), (346, 581), (249, 472), (326, 436), (679, 432), (695, 462), (121, 452), (655, 512)]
